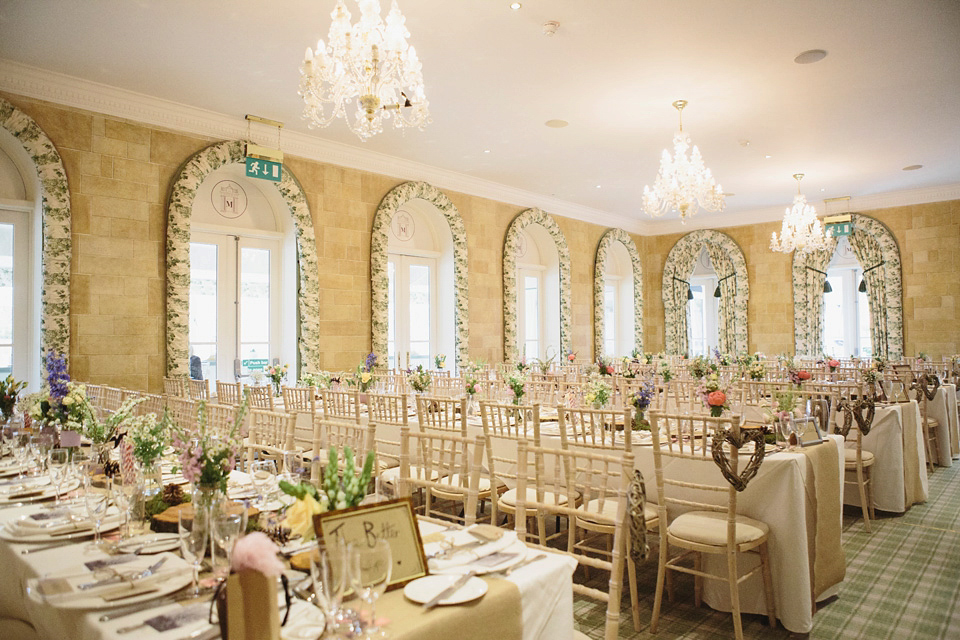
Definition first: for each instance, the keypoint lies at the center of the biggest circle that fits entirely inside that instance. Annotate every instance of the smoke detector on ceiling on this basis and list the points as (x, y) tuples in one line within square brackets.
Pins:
[(550, 27)]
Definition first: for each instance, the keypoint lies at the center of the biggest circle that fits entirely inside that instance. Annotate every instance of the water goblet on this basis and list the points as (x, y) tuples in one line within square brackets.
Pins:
[(262, 474), (228, 524), (193, 529), (57, 468), (328, 571), (97, 501), (370, 567)]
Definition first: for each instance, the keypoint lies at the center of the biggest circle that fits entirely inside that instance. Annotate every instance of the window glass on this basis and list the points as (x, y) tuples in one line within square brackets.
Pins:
[(203, 308), (834, 339), (391, 314), (531, 324), (6, 299), (419, 318), (254, 305), (610, 318)]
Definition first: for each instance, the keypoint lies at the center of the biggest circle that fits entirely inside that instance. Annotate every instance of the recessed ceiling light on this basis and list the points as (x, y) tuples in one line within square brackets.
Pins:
[(598, 186), (913, 167), (768, 156), (486, 150), (515, 6), (556, 124), (823, 188), (811, 56)]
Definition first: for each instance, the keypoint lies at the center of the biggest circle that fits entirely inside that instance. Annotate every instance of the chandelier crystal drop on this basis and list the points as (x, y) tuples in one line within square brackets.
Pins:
[(801, 230), (366, 71), (682, 183)]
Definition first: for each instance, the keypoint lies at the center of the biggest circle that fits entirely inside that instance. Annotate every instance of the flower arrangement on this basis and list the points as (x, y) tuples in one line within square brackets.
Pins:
[(798, 376), (714, 396), (336, 491), (700, 367), (277, 373), (757, 370), (544, 365), (206, 456), (871, 376), (784, 402), (150, 437), (640, 400), (60, 401), (922, 357), (605, 366), (665, 372), (363, 376), (630, 368), (571, 356), (880, 363), (9, 390), (596, 391), (722, 358), (518, 384), (419, 379), (319, 380), (440, 360), (113, 427), (833, 363), (471, 379), (522, 365)]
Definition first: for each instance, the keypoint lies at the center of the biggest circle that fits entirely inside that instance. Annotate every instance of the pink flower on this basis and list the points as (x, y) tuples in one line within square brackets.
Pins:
[(256, 552), (803, 375), (833, 363), (610, 369), (716, 398)]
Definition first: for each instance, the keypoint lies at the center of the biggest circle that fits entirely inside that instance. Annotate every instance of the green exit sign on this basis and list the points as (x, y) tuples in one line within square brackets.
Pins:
[(264, 169), (838, 229), (255, 364)]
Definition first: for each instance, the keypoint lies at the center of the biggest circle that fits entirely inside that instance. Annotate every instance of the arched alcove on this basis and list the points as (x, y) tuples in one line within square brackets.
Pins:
[(512, 244), (425, 201), (55, 238), (877, 251), (610, 244), (179, 212), (731, 268)]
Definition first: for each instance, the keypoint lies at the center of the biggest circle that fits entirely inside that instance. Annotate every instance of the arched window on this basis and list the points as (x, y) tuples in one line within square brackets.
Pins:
[(702, 334), (846, 309), (536, 288), (242, 269), (420, 306), (618, 296)]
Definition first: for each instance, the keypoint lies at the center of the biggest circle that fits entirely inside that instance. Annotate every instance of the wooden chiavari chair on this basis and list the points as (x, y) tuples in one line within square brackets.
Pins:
[(261, 397), (713, 525), (176, 387), (153, 403), (220, 417), (270, 436), (183, 411), (340, 434), (608, 429), (110, 399), (341, 405), (229, 392), (301, 401), (504, 426), (198, 389), (860, 413), (925, 386), (442, 414)]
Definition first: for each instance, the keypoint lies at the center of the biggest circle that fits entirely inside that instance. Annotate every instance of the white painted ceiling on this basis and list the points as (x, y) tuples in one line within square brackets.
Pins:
[(886, 96)]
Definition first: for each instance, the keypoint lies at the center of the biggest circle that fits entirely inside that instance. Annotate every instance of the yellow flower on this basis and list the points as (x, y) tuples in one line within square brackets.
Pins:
[(365, 377), (67, 400), (300, 517)]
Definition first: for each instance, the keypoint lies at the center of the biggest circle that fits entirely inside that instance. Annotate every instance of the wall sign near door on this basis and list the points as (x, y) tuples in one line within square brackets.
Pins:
[(264, 169), (229, 199)]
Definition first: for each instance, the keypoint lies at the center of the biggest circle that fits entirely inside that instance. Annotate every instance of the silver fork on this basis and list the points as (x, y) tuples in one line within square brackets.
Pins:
[(149, 571)]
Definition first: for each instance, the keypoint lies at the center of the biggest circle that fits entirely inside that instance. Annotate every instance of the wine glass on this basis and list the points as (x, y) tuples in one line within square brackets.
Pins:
[(262, 473), (370, 569), (21, 449), (228, 524), (124, 492), (96, 500), (193, 529), (59, 461), (328, 570)]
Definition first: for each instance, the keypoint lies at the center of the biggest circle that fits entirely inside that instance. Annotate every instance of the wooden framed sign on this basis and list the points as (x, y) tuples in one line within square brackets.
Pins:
[(808, 430), (391, 520)]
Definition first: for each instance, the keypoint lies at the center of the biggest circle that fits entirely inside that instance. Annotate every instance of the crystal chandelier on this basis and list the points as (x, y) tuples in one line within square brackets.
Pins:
[(369, 62), (801, 230), (682, 183)]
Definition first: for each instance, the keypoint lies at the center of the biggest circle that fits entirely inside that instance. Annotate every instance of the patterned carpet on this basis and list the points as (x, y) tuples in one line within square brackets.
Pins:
[(903, 581)]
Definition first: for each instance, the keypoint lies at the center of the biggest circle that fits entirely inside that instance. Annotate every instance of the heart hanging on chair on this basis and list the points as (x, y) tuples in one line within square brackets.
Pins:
[(722, 460), (929, 383)]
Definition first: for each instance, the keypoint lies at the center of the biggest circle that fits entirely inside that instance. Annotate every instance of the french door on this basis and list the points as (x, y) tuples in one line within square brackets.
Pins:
[(411, 310), (15, 301), (234, 304), (530, 312)]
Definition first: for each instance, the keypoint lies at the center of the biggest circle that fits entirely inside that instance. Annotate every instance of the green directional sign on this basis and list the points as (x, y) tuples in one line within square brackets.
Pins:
[(838, 229), (264, 169), (256, 364)]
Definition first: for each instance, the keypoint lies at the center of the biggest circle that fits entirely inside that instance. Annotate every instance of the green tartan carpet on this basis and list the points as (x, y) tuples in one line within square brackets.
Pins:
[(903, 581)]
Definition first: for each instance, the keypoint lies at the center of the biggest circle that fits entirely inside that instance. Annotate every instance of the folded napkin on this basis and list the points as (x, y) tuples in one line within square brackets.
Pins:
[(459, 557), (27, 528), (56, 590)]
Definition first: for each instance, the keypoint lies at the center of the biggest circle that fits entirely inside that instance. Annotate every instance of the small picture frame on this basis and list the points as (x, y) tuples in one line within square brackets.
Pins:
[(809, 430), (393, 520)]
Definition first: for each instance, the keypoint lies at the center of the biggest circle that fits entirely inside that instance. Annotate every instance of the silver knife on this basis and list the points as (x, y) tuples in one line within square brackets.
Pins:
[(449, 591), (146, 573), (143, 606)]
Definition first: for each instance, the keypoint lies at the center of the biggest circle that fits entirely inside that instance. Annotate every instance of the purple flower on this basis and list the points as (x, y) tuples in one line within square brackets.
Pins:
[(57, 376), (370, 362), (642, 398)]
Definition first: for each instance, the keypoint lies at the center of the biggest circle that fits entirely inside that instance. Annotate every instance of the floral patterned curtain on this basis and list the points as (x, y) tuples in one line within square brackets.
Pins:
[(808, 278), (871, 260), (726, 324), (675, 285)]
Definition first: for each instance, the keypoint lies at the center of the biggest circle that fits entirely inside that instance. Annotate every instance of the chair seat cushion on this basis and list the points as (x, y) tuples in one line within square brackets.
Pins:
[(710, 527), (933, 423), (850, 457), (607, 514), (454, 480), (509, 498), (390, 476)]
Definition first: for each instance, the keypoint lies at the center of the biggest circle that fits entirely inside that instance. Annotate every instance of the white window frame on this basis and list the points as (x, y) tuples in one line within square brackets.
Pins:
[(611, 317), (538, 272), (229, 312), (711, 308), (850, 312), (25, 341), (398, 349)]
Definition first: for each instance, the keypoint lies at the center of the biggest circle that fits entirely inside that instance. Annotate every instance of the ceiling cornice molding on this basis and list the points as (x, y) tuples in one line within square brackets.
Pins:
[(856, 204), (62, 89)]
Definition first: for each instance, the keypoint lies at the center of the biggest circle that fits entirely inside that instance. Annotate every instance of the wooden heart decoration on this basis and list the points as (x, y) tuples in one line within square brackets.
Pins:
[(739, 482), (636, 501), (928, 384), (863, 411)]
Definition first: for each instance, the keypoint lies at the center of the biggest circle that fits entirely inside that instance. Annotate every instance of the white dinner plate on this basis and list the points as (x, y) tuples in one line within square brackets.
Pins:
[(149, 543), (425, 589), (174, 575), (513, 554), (12, 533), (44, 491), (306, 623)]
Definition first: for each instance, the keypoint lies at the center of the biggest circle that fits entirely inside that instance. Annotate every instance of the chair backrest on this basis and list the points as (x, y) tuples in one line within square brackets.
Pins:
[(559, 479), (93, 393), (444, 414), (341, 405), (388, 409), (543, 392), (341, 433), (183, 411), (689, 434), (440, 456), (300, 400), (174, 387), (504, 427), (271, 429), (229, 392), (220, 417), (198, 389), (595, 428), (153, 403), (110, 398), (857, 413), (260, 397), (707, 479), (446, 385)]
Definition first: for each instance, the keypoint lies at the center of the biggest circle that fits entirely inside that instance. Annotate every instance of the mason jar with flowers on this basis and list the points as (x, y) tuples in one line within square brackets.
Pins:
[(605, 366), (641, 400), (714, 395), (665, 372), (597, 392), (517, 382), (419, 379), (277, 374), (833, 363), (9, 391)]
